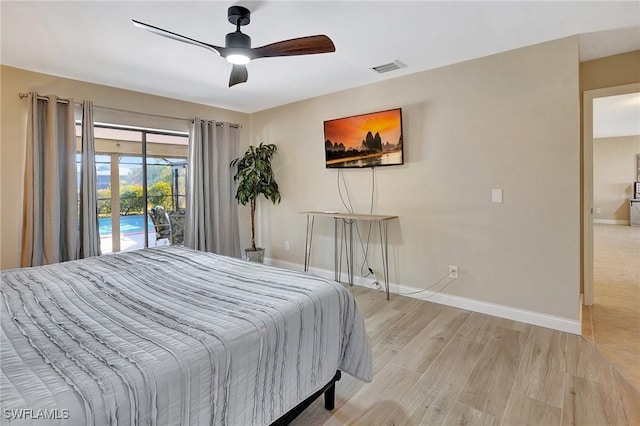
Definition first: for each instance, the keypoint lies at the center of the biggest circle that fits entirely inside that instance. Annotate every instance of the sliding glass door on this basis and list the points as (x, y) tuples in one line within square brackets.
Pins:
[(141, 187)]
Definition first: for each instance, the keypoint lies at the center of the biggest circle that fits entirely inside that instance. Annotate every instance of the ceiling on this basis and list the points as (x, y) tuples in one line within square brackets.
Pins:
[(616, 116), (95, 41)]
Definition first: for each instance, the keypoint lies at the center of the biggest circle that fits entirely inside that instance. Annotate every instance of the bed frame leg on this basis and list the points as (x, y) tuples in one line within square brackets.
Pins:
[(330, 393), (330, 398)]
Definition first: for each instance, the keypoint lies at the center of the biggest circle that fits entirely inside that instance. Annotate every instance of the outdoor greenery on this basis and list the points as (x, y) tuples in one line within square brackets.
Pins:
[(254, 175), (159, 194), (131, 201)]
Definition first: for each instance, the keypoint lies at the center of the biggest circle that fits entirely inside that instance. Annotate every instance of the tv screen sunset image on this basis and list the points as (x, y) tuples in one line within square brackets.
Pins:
[(366, 140)]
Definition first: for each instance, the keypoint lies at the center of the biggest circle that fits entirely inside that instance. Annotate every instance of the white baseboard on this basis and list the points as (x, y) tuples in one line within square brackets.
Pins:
[(502, 311), (530, 317), (611, 221)]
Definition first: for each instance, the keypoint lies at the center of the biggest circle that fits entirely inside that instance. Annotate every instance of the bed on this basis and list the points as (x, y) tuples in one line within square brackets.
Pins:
[(172, 336)]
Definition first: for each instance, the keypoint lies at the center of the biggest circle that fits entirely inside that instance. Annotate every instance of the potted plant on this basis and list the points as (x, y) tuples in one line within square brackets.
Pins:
[(254, 175)]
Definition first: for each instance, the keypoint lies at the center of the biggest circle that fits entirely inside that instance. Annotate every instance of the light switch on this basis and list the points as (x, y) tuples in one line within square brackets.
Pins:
[(496, 195)]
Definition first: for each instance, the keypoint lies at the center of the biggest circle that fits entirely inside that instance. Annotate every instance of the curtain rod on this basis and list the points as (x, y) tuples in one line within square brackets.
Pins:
[(42, 98), (66, 102)]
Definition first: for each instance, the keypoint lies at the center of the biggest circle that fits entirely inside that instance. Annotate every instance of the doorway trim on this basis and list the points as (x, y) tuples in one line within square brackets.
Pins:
[(587, 180)]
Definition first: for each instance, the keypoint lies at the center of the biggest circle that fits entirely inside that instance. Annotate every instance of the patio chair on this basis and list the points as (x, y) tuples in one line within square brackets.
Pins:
[(161, 223), (176, 219)]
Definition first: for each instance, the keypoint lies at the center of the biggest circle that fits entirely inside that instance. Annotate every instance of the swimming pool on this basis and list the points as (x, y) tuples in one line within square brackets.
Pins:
[(131, 224)]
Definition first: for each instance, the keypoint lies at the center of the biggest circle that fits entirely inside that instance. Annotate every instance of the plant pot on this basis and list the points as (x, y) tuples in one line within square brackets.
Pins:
[(254, 255)]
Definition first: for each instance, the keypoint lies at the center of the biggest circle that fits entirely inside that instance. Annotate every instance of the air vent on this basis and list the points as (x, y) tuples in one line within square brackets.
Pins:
[(391, 66)]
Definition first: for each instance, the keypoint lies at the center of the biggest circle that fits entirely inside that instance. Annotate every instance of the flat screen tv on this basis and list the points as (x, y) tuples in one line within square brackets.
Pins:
[(366, 140)]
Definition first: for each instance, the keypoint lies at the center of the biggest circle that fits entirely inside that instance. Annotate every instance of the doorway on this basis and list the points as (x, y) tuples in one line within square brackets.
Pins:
[(611, 265)]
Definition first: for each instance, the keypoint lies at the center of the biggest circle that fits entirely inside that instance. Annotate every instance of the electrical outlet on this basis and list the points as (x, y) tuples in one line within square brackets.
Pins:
[(286, 245), (598, 210), (453, 272)]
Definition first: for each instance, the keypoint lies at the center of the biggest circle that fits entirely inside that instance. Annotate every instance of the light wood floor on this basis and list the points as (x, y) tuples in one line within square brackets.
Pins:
[(440, 365), (613, 322)]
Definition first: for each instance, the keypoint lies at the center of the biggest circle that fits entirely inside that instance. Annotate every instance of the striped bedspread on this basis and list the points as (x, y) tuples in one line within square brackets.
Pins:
[(171, 336)]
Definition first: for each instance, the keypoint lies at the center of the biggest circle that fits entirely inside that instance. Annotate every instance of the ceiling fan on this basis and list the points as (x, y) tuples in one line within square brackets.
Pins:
[(238, 50)]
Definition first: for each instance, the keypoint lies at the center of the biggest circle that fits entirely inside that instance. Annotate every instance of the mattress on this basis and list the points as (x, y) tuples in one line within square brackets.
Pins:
[(171, 336)]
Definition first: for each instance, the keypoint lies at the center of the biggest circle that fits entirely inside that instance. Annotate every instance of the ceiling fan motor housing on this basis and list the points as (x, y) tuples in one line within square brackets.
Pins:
[(238, 40)]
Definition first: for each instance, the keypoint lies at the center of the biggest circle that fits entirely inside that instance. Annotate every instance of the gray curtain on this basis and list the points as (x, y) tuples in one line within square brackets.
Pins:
[(89, 228), (212, 212), (50, 211)]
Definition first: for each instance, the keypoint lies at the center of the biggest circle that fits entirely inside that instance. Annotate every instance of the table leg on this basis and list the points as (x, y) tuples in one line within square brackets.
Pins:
[(336, 256), (382, 226), (346, 226), (351, 262), (308, 238)]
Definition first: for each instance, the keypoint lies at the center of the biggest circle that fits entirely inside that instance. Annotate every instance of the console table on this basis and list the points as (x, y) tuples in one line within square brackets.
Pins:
[(344, 222)]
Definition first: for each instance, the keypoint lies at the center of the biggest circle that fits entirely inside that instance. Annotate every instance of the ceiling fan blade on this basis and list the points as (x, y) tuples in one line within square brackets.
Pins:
[(165, 33), (298, 46), (239, 74)]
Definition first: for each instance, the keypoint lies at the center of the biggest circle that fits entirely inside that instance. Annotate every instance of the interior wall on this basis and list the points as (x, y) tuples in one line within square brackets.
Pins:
[(508, 121), (13, 118), (614, 171), (616, 70)]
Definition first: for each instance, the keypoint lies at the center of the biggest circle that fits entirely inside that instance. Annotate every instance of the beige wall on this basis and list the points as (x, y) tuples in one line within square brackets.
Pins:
[(614, 171), (508, 121), (13, 123), (616, 70)]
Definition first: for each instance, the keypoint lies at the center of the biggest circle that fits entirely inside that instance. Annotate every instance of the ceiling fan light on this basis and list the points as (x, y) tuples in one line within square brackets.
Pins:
[(238, 59)]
